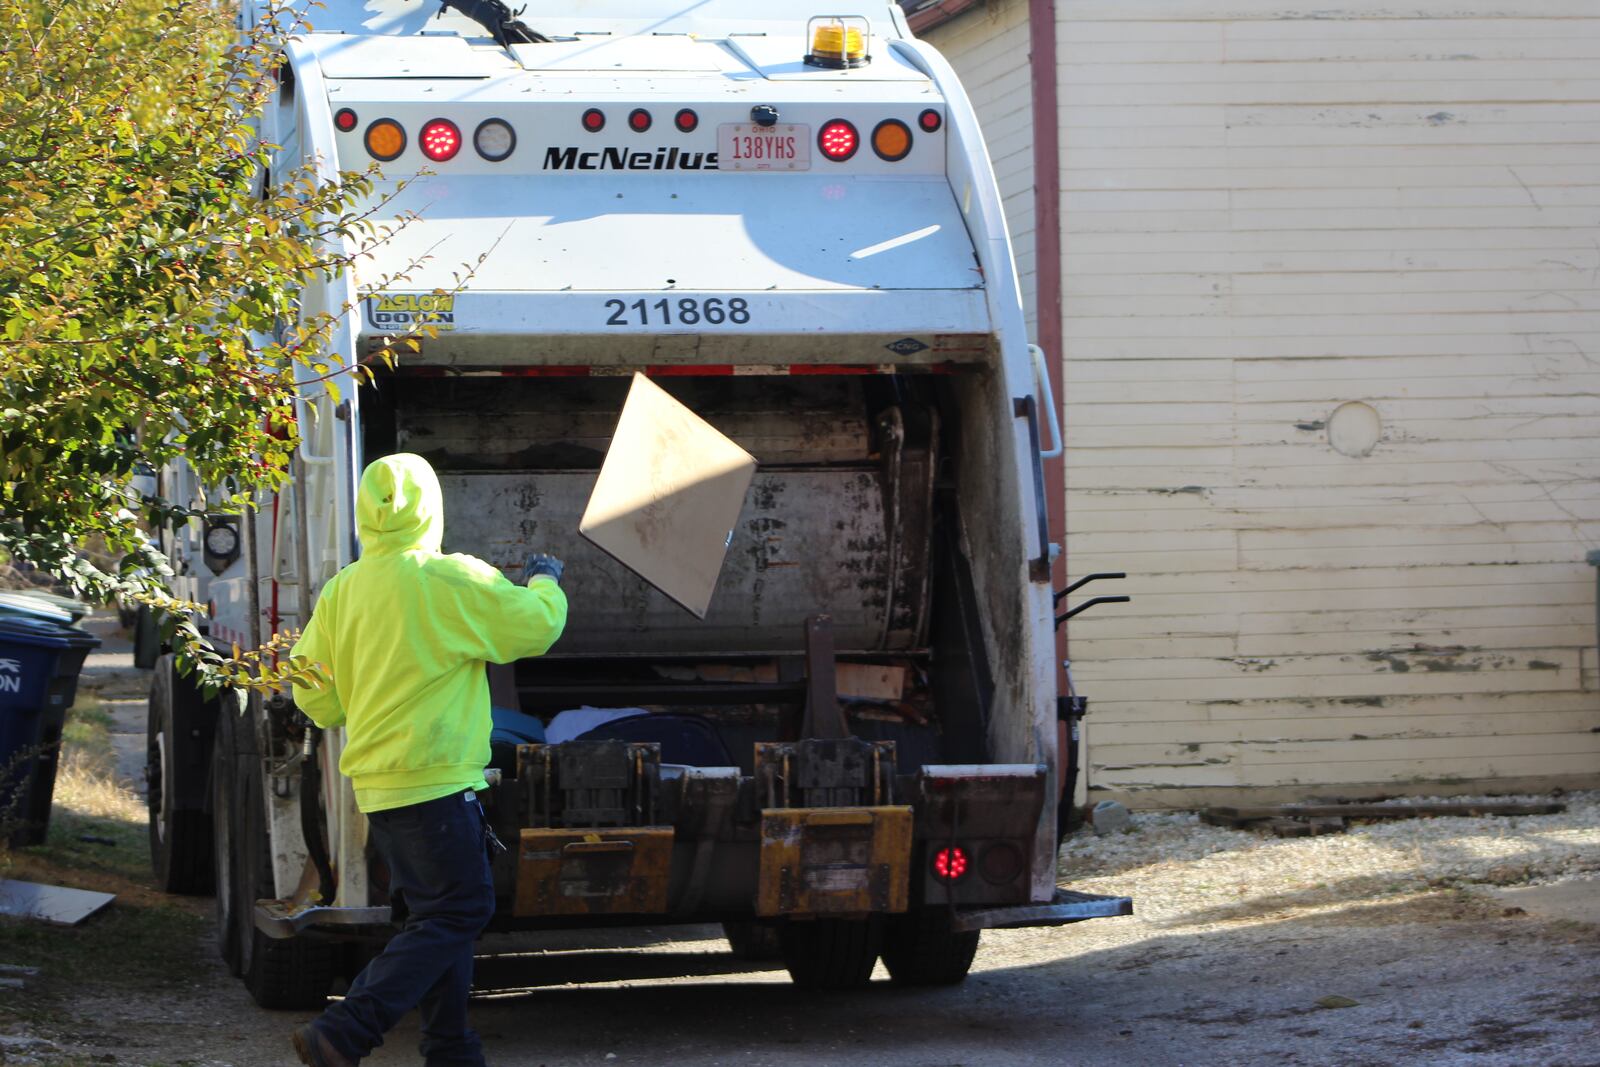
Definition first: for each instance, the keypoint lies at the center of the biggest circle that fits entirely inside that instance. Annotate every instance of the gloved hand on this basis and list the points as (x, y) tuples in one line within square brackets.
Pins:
[(542, 563)]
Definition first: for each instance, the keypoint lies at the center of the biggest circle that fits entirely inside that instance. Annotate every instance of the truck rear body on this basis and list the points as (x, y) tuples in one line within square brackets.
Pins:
[(863, 725)]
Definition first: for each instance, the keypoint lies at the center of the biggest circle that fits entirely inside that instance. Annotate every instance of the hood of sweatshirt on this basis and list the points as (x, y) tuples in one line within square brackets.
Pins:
[(399, 507)]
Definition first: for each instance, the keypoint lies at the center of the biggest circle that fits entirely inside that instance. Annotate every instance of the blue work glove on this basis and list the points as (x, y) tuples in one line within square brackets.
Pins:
[(542, 564)]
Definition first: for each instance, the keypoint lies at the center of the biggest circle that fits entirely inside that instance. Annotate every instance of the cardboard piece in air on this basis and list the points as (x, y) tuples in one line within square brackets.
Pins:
[(668, 496)]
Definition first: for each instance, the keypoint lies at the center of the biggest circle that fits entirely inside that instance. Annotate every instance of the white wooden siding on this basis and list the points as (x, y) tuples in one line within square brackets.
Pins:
[(1273, 207), (988, 48)]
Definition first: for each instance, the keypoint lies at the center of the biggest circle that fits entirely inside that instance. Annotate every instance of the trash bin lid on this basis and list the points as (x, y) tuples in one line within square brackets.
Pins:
[(74, 609), (42, 633), (15, 603)]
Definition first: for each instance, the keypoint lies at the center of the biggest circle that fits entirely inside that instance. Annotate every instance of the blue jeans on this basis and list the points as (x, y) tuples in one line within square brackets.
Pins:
[(439, 873)]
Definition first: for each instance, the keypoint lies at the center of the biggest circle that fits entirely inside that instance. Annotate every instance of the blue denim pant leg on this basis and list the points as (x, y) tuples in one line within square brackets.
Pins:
[(439, 867)]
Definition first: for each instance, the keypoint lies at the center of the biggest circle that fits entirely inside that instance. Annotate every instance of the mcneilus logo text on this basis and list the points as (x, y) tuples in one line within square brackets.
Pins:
[(622, 159)]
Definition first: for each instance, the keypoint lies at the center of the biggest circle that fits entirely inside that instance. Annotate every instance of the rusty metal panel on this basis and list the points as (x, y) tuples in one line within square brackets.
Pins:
[(613, 871), (834, 861)]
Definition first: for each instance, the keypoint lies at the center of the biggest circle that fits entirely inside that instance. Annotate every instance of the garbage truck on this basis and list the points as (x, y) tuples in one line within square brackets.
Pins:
[(785, 216)]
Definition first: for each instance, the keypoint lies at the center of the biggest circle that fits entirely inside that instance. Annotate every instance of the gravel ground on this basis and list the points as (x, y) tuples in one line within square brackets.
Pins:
[(1183, 871), (1380, 946)]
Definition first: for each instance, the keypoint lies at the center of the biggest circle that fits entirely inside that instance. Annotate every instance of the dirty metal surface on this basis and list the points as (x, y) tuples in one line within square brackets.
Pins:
[(807, 542), (834, 861), (597, 871)]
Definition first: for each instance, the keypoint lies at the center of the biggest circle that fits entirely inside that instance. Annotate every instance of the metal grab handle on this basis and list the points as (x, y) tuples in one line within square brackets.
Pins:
[(1027, 407), (1085, 580), (1091, 602), (1042, 373)]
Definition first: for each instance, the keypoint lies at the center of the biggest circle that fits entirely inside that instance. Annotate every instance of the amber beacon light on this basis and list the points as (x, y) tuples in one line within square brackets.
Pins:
[(838, 42)]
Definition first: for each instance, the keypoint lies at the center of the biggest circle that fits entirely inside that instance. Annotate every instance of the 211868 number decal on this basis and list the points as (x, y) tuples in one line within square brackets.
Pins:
[(684, 311)]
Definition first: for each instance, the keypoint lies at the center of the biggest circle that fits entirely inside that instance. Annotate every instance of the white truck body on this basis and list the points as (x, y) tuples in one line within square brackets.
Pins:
[(855, 324)]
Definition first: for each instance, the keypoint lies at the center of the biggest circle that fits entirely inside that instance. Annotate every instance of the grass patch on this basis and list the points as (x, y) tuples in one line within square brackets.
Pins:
[(98, 840)]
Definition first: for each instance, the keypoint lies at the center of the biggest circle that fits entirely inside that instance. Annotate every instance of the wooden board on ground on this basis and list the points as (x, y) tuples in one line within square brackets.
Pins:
[(669, 493)]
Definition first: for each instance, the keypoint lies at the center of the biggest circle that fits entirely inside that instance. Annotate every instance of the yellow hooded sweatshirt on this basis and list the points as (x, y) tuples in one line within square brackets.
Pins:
[(405, 632)]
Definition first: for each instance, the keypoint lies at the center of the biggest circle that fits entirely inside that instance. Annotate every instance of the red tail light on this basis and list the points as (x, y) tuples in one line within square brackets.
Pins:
[(594, 120), (930, 120), (687, 120), (639, 120), (838, 140), (950, 864), (345, 119), (440, 140)]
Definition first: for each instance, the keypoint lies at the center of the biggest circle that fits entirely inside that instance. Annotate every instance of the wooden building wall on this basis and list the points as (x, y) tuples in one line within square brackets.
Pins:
[(1332, 289)]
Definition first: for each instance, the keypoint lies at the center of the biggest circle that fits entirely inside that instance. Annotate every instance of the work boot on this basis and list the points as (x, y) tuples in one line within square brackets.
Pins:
[(315, 1050)]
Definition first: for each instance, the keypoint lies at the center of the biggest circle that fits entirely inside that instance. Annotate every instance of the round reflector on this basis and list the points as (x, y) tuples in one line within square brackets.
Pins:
[(930, 120), (950, 864), (494, 139), (385, 140), (440, 140), (594, 120), (686, 120), (1001, 863), (639, 120), (891, 139), (838, 140), (345, 119)]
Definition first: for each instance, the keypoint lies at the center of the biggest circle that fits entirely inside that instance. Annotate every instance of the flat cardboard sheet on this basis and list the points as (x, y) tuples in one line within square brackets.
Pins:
[(668, 496), (49, 903)]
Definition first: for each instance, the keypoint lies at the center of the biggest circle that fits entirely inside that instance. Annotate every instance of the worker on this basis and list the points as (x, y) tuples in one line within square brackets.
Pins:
[(403, 634)]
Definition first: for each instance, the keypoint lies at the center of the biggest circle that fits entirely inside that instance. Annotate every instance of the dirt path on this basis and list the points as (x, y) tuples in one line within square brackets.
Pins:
[(1442, 979)]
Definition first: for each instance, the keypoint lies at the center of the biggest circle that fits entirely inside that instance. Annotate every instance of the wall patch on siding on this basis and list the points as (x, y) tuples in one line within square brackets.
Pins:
[(1354, 429)]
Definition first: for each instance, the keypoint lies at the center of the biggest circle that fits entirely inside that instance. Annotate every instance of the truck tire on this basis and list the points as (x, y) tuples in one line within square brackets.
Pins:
[(289, 974), (751, 940), (920, 949), (179, 727), (224, 828), (830, 954)]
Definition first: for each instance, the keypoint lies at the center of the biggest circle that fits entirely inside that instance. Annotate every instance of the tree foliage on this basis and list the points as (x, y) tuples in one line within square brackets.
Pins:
[(148, 284)]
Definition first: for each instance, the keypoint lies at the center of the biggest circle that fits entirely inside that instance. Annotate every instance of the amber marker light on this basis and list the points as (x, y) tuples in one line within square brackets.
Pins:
[(385, 140), (891, 139)]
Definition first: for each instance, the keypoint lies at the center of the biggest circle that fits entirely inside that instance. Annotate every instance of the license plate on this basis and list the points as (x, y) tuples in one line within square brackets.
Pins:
[(746, 146)]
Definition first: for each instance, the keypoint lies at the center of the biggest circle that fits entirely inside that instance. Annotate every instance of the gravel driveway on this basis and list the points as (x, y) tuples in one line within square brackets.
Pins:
[(1385, 945)]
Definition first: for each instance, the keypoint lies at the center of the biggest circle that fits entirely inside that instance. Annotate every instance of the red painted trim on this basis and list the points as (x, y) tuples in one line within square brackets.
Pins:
[(1047, 254), (689, 370), (934, 14)]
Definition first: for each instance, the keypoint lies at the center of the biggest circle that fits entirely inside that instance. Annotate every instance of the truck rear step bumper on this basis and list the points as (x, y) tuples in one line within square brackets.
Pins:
[(276, 918), (1067, 907)]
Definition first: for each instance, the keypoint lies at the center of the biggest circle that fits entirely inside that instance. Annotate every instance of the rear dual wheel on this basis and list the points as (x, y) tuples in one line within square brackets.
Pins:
[(289, 973), (920, 949), (830, 954), (179, 726)]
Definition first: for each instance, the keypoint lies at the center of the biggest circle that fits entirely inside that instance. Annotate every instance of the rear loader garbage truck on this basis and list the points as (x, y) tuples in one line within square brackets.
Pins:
[(785, 217)]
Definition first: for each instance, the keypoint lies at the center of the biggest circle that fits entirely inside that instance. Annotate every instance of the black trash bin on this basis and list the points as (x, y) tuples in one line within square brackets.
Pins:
[(39, 665)]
